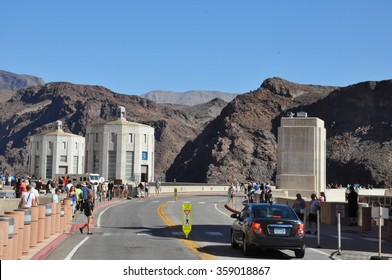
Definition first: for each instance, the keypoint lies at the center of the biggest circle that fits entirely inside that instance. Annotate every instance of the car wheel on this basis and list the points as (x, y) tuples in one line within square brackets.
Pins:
[(246, 247), (234, 244), (300, 253)]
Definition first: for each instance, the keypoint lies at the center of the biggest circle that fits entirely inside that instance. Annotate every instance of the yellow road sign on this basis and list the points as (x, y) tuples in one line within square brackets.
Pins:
[(186, 218)]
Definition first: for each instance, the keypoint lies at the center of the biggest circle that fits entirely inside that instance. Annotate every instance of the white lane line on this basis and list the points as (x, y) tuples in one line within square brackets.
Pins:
[(98, 224), (217, 209), (73, 251), (214, 233), (342, 237), (317, 251), (371, 239)]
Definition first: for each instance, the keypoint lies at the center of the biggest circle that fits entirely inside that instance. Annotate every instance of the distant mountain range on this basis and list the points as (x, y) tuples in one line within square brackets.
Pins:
[(192, 97), (11, 82)]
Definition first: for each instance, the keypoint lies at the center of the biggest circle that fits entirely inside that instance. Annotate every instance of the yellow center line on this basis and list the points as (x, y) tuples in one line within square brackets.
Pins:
[(188, 243)]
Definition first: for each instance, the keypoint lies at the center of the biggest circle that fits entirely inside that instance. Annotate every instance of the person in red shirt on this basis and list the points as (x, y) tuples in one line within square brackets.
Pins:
[(23, 186)]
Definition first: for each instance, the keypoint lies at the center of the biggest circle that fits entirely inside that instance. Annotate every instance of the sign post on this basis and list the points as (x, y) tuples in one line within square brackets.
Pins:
[(186, 219)]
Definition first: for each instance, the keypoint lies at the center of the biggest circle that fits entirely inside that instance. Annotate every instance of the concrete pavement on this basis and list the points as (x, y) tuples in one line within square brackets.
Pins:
[(355, 243)]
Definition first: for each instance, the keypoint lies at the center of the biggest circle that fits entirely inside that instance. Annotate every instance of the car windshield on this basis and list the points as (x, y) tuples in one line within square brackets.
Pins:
[(273, 211)]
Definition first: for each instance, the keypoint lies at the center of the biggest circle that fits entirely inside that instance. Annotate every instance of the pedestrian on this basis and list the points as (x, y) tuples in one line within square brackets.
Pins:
[(56, 196), (79, 197), (312, 218), (72, 195), (322, 197), (268, 195), (27, 198), (85, 192), (299, 206), (158, 186), (230, 194), (352, 199), (147, 189), (110, 190), (89, 213), (35, 192)]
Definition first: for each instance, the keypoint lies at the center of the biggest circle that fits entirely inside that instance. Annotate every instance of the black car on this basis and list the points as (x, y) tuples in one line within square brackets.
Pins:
[(268, 226)]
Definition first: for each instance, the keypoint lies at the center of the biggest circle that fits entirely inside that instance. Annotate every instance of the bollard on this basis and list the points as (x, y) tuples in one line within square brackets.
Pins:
[(53, 219), (4, 231), (48, 220), (34, 226), (67, 211), (57, 218), (58, 209), (18, 231), (16, 246), (10, 243), (1, 245), (62, 220), (389, 228), (41, 223), (27, 230), (366, 218)]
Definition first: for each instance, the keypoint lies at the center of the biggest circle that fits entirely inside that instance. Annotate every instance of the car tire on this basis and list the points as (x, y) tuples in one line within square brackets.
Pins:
[(300, 253), (246, 248), (234, 244)]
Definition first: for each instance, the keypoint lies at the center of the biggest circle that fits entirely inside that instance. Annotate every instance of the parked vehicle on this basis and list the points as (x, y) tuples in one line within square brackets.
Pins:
[(268, 226), (89, 178)]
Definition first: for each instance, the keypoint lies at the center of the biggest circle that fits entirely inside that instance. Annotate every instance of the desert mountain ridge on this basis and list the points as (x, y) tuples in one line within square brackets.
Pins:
[(218, 141)]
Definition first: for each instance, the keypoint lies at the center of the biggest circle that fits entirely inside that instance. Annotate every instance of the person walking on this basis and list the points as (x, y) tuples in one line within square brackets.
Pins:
[(352, 199), (312, 218), (299, 206), (72, 195), (89, 213)]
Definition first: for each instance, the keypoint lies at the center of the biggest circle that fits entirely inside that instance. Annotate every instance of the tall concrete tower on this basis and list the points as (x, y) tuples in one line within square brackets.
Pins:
[(301, 154)]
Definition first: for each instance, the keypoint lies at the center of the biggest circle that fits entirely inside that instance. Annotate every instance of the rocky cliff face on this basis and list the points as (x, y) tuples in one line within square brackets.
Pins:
[(36, 109), (241, 143)]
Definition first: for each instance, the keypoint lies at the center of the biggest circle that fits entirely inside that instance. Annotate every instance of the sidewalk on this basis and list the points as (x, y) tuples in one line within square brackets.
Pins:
[(44, 248)]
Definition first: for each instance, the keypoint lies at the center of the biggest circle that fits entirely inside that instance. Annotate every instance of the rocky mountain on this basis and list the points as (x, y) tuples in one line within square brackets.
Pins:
[(192, 97), (10, 83), (219, 141), (36, 109), (241, 144)]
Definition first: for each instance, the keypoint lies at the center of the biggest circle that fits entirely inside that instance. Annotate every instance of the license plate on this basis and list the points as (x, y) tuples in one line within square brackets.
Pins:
[(279, 231)]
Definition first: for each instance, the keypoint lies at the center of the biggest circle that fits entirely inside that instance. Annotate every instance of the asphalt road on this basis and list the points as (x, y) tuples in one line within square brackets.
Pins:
[(151, 229)]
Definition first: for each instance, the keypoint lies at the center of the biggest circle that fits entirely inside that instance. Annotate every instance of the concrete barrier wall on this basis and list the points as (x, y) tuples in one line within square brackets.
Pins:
[(16, 247)]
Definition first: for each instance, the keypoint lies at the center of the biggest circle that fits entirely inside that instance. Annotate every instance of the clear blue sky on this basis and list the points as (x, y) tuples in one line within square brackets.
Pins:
[(134, 47)]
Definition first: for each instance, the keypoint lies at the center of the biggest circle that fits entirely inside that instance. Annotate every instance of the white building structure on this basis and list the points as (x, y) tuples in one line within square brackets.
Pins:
[(301, 154), (56, 152), (121, 149)]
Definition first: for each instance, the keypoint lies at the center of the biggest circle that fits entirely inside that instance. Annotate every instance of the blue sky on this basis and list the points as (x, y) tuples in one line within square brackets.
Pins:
[(134, 47)]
